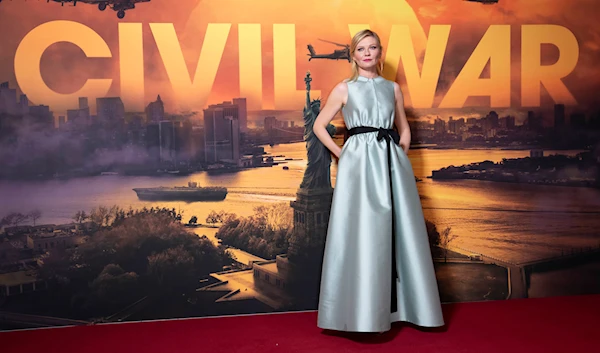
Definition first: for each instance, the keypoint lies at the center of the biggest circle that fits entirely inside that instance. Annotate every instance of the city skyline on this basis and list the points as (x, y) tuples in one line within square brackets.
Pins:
[(155, 111)]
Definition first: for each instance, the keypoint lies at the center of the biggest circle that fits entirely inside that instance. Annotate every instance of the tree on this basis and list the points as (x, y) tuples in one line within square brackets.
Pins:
[(266, 233), (446, 237), (5, 221), (193, 220), (80, 217), (14, 219), (111, 290), (100, 216), (432, 233), (213, 217), (172, 269), (138, 256), (35, 215)]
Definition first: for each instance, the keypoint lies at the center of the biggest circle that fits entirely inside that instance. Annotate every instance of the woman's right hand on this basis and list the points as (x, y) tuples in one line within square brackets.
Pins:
[(334, 103), (337, 153)]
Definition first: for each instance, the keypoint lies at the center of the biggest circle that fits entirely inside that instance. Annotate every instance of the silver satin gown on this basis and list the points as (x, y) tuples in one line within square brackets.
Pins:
[(356, 283)]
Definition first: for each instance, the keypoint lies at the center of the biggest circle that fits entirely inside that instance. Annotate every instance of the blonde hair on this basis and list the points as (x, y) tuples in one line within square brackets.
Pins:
[(355, 40)]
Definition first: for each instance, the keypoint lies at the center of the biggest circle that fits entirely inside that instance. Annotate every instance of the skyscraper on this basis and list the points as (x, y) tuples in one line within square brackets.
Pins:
[(222, 133), (242, 113), (168, 141), (24, 104), (8, 99), (83, 103), (78, 117), (41, 114), (110, 109), (155, 111), (492, 120)]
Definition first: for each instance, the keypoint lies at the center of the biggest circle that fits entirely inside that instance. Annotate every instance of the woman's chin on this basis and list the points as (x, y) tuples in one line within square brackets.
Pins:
[(368, 66)]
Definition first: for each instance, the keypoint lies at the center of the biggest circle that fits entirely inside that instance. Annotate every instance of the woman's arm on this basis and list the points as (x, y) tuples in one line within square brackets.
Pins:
[(401, 121), (332, 106)]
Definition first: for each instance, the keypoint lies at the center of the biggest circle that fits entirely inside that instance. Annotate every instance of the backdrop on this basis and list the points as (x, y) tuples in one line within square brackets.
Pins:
[(153, 152)]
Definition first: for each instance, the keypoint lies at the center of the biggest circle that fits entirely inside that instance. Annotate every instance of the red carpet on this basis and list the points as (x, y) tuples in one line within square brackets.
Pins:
[(559, 324)]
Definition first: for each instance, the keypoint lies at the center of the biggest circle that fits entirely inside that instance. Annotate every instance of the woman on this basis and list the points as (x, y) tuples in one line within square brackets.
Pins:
[(377, 267)]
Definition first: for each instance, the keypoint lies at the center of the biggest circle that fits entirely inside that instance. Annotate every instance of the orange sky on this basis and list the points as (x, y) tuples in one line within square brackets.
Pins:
[(65, 68)]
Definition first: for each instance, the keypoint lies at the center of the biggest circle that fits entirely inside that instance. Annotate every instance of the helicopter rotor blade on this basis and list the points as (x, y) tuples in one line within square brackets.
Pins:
[(338, 44)]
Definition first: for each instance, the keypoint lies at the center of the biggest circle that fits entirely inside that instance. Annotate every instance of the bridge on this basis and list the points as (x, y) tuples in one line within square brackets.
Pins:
[(291, 132), (519, 274)]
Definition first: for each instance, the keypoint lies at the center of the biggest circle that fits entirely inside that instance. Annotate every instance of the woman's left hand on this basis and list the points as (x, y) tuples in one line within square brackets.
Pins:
[(405, 145)]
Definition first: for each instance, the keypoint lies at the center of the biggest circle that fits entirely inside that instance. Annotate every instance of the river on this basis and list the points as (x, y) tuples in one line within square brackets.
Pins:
[(514, 222)]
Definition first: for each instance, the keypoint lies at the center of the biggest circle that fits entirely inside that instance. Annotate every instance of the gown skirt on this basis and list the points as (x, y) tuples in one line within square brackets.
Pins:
[(376, 223)]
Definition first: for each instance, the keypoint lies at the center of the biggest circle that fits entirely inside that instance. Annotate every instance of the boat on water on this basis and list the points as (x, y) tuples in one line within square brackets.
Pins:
[(192, 192)]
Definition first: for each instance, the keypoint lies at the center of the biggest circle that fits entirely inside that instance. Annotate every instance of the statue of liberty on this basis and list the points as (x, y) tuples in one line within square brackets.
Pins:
[(317, 173)]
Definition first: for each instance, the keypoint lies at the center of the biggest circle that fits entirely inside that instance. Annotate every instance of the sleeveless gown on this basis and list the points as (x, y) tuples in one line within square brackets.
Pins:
[(376, 211)]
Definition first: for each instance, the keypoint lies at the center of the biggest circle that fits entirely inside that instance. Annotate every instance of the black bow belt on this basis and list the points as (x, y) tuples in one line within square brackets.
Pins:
[(389, 135)]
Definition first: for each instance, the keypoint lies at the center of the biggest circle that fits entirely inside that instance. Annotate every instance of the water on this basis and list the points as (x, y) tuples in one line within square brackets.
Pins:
[(514, 222)]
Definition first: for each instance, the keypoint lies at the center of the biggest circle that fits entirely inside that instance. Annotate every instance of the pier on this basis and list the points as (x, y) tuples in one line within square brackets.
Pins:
[(519, 274)]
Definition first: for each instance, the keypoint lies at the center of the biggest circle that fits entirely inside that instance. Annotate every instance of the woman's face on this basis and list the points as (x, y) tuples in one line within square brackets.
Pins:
[(367, 53)]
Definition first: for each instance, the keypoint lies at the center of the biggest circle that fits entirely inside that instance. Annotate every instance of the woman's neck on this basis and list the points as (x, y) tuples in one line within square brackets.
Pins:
[(368, 74)]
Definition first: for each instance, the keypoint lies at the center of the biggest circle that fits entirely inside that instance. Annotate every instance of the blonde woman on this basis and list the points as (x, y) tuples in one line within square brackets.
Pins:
[(377, 267)]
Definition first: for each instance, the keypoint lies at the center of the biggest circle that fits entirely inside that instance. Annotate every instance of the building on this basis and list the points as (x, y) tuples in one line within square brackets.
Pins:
[(242, 113), (79, 117), (152, 142), (167, 141), (23, 104), (45, 241), (83, 103), (491, 123), (20, 282), (439, 126), (222, 133), (110, 109), (155, 111), (163, 141), (9, 254), (270, 123), (8, 100), (452, 125), (534, 122), (41, 114), (507, 122)]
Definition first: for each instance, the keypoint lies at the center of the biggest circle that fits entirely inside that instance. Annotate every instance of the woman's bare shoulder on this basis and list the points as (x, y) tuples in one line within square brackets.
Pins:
[(343, 85), (340, 89), (397, 89)]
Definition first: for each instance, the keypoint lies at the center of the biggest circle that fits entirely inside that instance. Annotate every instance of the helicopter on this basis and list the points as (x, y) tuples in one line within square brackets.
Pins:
[(117, 5), (343, 54), (485, 2)]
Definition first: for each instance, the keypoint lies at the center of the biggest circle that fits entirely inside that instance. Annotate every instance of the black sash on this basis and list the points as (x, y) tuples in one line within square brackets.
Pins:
[(388, 135)]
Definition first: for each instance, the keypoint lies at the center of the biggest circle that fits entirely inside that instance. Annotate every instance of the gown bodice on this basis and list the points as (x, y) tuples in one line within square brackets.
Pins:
[(371, 102)]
